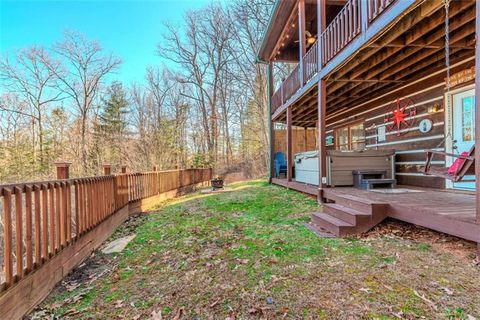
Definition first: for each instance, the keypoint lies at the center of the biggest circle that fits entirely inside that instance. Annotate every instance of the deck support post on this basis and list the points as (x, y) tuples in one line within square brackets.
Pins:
[(477, 114), (289, 144), (271, 133), (302, 39), (322, 104), (322, 151)]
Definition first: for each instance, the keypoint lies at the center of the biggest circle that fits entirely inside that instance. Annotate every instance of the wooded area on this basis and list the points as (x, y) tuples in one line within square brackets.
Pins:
[(64, 102)]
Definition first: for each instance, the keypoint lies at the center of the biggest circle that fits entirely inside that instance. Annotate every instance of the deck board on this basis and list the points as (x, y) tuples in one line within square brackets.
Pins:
[(451, 212)]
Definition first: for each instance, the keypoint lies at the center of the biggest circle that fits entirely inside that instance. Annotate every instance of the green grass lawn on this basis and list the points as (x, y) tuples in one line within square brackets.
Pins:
[(246, 254)]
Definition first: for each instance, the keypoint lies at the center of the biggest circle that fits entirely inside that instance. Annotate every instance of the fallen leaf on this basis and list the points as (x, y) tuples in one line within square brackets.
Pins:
[(156, 315), (179, 314)]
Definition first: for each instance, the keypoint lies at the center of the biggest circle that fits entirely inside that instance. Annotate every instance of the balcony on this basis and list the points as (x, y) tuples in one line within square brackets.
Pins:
[(350, 22)]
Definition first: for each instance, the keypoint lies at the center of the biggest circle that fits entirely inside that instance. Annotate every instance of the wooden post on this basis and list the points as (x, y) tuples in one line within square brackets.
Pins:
[(270, 123), (124, 168), (322, 103), (322, 151), (289, 144), (63, 169), (363, 16), (321, 25), (477, 115), (301, 38), (107, 169), (155, 168)]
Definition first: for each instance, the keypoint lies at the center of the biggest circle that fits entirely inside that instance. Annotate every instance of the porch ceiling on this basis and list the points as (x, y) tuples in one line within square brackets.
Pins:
[(411, 49)]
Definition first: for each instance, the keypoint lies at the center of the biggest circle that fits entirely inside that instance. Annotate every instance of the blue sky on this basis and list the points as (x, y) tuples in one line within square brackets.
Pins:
[(130, 29)]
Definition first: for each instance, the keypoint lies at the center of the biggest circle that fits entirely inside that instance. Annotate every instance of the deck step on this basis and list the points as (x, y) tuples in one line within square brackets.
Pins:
[(347, 214), (334, 225), (356, 203), (322, 233)]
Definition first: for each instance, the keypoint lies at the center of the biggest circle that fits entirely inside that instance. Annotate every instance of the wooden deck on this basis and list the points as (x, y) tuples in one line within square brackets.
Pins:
[(446, 211)]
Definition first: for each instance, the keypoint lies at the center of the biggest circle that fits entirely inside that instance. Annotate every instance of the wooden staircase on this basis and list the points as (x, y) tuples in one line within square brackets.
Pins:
[(345, 214)]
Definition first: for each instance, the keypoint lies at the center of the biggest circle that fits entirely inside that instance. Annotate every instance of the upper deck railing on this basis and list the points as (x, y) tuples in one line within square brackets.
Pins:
[(349, 23)]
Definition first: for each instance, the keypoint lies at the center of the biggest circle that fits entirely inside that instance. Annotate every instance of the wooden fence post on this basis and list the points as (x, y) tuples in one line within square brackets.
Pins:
[(107, 169), (124, 168), (63, 169), (154, 168)]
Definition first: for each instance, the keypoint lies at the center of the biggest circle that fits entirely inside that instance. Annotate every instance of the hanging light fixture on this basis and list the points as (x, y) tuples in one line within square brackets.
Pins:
[(310, 38)]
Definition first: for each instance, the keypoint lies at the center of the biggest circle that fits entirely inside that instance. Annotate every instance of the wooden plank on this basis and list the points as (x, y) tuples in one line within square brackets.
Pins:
[(52, 215), (19, 231), (58, 217), (289, 144), (44, 189), (301, 38), (68, 210), (7, 236), (38, 226), (28, 229)]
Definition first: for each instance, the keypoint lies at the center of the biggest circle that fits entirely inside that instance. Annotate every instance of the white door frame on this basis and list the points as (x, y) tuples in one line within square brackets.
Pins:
[(449, 126)]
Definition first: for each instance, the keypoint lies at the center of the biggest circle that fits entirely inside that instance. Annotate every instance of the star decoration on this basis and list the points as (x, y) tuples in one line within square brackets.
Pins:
[(400, 115)]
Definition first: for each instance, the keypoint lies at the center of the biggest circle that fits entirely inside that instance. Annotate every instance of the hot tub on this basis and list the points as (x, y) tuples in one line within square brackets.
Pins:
[(306, 167), (340, 165)]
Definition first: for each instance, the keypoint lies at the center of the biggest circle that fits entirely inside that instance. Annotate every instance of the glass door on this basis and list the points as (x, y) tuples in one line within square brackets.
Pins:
[(463, 109)]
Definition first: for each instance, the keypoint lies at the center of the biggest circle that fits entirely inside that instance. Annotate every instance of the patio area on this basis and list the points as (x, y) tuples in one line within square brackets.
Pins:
[(448, 211)]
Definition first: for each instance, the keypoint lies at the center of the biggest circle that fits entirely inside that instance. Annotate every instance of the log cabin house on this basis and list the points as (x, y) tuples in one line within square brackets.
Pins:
[(375, 86)]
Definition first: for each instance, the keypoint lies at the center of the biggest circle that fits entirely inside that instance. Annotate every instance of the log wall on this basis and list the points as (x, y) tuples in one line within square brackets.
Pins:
[(410, 145)]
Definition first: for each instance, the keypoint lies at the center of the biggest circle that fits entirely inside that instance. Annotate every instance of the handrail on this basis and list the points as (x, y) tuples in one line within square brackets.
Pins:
[(40, 219)]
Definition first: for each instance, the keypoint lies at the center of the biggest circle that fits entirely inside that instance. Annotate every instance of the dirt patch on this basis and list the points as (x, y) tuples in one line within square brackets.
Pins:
[(77, 284), (460, 248)]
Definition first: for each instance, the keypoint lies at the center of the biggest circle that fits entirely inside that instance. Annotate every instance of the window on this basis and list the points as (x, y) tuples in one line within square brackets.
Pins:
[(350, 137), (468, 114)]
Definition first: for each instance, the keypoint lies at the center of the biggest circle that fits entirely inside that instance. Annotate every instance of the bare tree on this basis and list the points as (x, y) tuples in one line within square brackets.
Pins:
[(32, 75), (86, 68)]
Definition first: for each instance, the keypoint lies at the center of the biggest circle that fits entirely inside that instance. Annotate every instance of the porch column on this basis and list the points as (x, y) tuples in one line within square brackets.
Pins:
[(477, 114), (270, 92), (322, 150), (301, 38), (322, 103), (321, 25), (289, 144)]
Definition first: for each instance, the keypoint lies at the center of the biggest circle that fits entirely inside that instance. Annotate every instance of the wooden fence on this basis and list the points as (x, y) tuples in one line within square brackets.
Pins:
[(40, 219)]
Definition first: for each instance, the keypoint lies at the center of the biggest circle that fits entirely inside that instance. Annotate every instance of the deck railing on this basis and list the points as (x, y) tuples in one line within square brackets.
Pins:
[(277, 101), (377, 7), (310, 63), (40, 219), (292, 83), (341, 31)]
